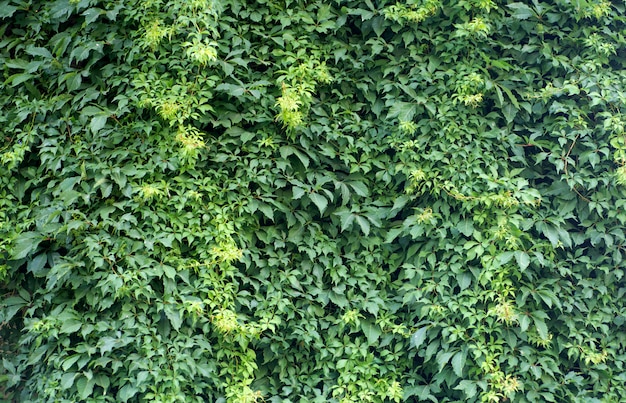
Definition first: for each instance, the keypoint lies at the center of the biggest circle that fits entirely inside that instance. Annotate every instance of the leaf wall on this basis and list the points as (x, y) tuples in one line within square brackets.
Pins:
[(343, 201)]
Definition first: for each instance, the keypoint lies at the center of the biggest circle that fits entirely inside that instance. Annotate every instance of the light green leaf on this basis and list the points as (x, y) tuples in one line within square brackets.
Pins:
[(551, 233), (17, 79), (92, 14), (267, 210), (464, 280), (347, 218), (36, 264), (106, 344), (392, 234), (67, 364), (11, 306)]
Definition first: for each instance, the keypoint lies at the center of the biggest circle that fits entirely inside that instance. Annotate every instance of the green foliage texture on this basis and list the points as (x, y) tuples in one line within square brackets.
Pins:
[(309, 201)]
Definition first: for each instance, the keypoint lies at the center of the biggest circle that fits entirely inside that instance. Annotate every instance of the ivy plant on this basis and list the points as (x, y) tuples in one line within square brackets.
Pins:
[(289, 200)]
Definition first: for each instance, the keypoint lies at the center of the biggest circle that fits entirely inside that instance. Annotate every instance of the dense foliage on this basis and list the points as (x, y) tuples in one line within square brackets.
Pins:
[(350, 201)]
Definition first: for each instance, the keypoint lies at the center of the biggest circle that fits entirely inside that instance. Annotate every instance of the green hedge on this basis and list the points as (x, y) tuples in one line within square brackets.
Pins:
[(341, 201)]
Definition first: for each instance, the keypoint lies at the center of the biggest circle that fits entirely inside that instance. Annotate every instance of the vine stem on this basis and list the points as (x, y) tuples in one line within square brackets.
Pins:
[(565, 164)]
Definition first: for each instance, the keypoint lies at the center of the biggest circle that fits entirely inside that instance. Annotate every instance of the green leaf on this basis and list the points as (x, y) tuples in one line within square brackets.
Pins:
[(73, 81), (127, 392), (458, 363), (297, 192), (347, 218), (67, 364), (70, 325), (551, 233), (378, 24), (92, 14), (6, 9), (509, 112), (106, 344), (25, 244), (520, 11), (359, 188), (403, 111), (392, 234), (174, 316), (320, 201), (11, 306), (67, 380), (267, 210), (466, 227), (523, 260), (363, 223), (464, 280), (38, 51), (524, 322), (371, 331), (443, 358), (17, 79), (231, 89), (418, 338), (85, 387), (542, 328), (36, 264), (97, 123), (468, 387)]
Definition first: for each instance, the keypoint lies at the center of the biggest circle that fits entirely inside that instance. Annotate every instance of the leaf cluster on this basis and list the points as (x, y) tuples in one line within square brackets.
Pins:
[(346, 201)]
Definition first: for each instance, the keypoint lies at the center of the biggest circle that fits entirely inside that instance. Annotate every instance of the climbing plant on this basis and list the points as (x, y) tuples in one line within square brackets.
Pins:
[(343, 201)]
